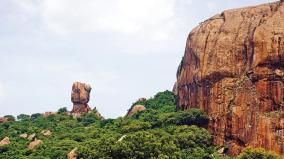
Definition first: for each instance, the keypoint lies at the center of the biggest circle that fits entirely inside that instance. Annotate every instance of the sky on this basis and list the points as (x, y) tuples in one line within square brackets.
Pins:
[(125, 49)]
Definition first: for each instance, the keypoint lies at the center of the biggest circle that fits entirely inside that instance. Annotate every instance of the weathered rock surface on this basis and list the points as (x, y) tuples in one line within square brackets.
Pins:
[(5, 141), (72, 154), (135, 109), (3, 120), (141, 99), (47, 114), (32, 136), (24, 136), (80, 97), (98, 114), (34, 144), (46, 133), (233, 69)]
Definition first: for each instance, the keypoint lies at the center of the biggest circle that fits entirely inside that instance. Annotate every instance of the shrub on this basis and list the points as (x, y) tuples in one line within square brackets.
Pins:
[(257, 153), (62, 110), (23, 117), (10, 117)]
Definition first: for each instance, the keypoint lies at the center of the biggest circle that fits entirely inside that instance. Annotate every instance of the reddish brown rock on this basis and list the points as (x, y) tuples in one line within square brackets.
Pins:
[(135, 109), (47, 114), (72, 154), (34, 144), (80, 97), (141, 99), (233, 69), (5, 141), (46, 133), (32, 136), (98, 114), (3, 119), (25, 136)]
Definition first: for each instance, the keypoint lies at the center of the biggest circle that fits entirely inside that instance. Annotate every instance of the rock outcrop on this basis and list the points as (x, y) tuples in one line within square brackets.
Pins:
[(233, 69), (135, 109), (32, 136), (5, 141), (47, 114), (34, 144), (3, 119), (46, 133), (24, 136), (72, 154), (80, 97)]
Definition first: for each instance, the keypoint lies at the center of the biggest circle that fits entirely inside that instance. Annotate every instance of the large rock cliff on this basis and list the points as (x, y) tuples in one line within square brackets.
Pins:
[(233, 69)]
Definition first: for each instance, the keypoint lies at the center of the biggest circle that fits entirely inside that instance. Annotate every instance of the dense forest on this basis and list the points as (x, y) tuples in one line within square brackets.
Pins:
[(157, 132)]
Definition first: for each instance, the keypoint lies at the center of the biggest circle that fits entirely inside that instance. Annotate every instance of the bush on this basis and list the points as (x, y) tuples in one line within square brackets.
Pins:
[(23, 117), (35, 116), (62, 110), (190, 117), (257, 153), (10, 117)]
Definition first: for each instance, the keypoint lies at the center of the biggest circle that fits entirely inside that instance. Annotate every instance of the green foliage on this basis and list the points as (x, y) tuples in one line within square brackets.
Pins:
[(189, 117), (259, 153), (35, 116), (23, 117), (62, 110), (161, 100), (158, 132), (10, 117)]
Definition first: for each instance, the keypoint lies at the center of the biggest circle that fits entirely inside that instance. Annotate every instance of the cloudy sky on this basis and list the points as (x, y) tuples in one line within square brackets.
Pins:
[(125, 49)]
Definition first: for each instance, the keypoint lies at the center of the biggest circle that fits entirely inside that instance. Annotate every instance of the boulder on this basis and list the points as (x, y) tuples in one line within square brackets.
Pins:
[(46, 133), (135, 109), (47, 114), (121, 138), (80, 97), (34, 144), (142, 99), (24, 136), (3, 120), (98, 114), (233, 69), (31, 136), (5, 141), (72, 154)]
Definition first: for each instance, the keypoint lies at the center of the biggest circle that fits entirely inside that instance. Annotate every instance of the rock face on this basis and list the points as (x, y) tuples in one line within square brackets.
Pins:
[(80, 97), (5, 141), (46, 133), (32, 136), (233, 69), (72, 154), (3, 120), (34, 144), (47, 114), (135, 109), (24, 136)]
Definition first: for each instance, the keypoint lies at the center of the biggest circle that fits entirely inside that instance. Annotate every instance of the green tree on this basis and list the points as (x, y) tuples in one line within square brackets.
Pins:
[(62, 110), (35, 116), (10, 117), (257, 153), (23, 117)]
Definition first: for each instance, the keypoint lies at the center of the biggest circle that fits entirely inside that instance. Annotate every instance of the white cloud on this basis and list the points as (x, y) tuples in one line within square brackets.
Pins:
[(154, 19)]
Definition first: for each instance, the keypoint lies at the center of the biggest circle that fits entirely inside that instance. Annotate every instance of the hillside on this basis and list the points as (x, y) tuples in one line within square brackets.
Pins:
[(157, 132)]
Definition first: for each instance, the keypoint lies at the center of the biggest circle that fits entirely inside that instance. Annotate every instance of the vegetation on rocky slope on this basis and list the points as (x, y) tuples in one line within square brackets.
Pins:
[(157, 132)]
